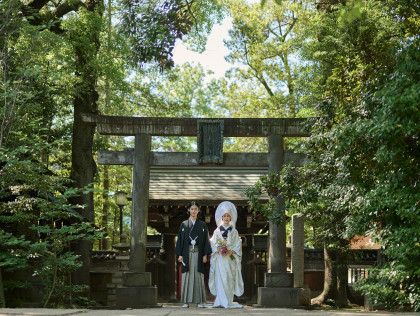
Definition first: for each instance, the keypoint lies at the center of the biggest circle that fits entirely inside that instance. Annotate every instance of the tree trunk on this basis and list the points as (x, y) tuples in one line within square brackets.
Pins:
[(105, 208), (2, 298), (114, 230), (330, 279), (83, 165), (82, 173), (342, 300)]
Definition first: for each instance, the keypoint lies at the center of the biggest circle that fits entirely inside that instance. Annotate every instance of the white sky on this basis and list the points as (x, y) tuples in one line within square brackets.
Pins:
[(213, 57)]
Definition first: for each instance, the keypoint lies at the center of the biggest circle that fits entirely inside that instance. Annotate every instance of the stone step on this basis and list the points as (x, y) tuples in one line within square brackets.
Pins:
[(117, 280)]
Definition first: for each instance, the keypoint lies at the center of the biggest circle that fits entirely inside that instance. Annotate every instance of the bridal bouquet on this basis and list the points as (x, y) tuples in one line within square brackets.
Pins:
[(222, 247)]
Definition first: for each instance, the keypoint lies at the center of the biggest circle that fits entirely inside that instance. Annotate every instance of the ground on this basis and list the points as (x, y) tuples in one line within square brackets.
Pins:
[(176, 310)]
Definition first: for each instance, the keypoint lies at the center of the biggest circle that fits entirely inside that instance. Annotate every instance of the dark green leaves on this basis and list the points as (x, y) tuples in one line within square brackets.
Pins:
[(153, 27), (34, 202)]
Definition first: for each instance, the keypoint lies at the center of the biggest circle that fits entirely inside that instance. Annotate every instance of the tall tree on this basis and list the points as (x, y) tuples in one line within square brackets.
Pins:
[(84, 35), (388, 201), (80, 23), (356, 48), (264, 41)]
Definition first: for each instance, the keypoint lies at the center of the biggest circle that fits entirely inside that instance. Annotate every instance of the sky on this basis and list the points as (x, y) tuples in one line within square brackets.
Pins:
[(213, 57)]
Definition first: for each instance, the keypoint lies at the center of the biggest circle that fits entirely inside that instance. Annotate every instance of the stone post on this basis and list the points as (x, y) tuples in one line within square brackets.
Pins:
[(277, 244), (168, 275), (137, 290), (297, 249), (277, 241), (248, 270), (298, 258), (141, 179), (278, 284)]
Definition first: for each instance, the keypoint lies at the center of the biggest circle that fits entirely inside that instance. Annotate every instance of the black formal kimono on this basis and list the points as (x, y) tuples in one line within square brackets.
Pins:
[(199, 233)]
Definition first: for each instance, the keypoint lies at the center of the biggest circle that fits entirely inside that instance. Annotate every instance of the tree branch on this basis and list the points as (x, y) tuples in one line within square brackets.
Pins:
[(36, 4), (290, 28), (65, 8), (32, 11), (259, 76)]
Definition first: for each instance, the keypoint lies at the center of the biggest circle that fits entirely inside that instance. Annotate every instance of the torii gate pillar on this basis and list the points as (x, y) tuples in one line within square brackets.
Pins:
[(278, 284), (137, 290)]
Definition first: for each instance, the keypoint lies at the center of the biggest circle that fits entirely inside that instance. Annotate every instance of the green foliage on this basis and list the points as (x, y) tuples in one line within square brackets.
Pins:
[(206, 13), (254, 193), (264, 41), (389, 185), (264, 44), (294, 187), (35, 79), (33, 196), (391, 285), (82, 32), (270, 185), (363, 152), (109, 180), (15, 252), (154, 26), (58, 262), (353, 10), (279, 2), (179, 92)]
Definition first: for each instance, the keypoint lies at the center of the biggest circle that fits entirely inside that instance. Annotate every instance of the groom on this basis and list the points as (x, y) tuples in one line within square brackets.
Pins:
[(192, 248)]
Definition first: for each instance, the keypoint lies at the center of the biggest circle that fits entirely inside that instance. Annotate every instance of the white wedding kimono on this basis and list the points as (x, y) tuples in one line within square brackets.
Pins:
[(225, 279)]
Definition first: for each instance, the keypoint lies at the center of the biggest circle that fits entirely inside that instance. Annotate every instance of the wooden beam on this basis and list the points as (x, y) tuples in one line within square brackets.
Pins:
[(107, 157), (167, 126)]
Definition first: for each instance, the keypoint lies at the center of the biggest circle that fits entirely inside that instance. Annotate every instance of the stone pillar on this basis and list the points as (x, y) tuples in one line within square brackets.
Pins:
[(277, 241), (140, 196), (248, 270), (137, 290), (278, 284), (298, 236), (168, 275), (298, 258)]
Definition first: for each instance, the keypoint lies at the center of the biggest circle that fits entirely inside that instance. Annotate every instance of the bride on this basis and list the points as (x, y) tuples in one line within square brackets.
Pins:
[(225, 279)]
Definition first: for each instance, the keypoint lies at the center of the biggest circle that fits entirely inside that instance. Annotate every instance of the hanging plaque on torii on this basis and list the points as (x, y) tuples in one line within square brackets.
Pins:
[(210, 141)]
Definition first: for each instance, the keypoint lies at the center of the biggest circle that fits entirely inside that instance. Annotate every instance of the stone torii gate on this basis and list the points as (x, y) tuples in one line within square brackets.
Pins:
[(137, 290)]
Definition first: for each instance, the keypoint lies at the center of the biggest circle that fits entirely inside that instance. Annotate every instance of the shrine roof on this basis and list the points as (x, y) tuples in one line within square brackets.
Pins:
[(202, 183)]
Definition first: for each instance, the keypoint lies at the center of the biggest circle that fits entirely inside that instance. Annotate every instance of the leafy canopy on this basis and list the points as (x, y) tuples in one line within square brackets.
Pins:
[(154, 26)]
